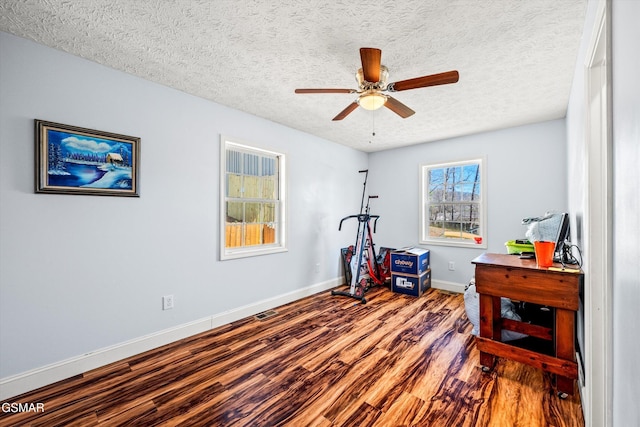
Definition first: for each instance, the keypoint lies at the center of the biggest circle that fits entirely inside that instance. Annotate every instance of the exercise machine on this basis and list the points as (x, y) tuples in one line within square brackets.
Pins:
[(365, 267)]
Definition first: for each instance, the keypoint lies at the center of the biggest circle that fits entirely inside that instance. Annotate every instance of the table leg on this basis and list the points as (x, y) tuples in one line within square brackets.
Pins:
[(565, 346), (490, 326)]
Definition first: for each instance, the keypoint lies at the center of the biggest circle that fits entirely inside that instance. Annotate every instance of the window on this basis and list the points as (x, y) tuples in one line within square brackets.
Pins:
[(252, 201), (452, 207)]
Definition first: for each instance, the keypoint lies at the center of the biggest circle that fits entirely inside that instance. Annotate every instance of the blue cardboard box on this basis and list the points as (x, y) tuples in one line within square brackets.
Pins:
[(414, 261), (410, 284)]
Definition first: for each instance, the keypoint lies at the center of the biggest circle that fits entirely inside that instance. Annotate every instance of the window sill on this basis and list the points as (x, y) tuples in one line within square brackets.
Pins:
[(456, 243), (251, 252)]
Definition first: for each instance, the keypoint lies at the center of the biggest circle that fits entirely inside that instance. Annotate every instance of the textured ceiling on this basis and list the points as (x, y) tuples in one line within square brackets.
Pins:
[(516, 58)]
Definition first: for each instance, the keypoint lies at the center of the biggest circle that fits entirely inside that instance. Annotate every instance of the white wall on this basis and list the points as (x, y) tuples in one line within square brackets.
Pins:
[(82, 273), (626, 207), (525, 173)]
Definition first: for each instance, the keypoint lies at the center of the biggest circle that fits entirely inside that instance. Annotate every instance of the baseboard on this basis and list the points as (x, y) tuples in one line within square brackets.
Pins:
[(40, 377), (448, 286)]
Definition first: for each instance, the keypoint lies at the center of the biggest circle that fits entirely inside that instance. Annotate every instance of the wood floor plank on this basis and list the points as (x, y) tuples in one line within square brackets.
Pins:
[(355, 385), (363, 415), (403, 411), (324, 361)]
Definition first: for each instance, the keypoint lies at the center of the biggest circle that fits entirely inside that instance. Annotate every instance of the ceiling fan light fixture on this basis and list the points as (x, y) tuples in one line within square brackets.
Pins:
[(372, 100)]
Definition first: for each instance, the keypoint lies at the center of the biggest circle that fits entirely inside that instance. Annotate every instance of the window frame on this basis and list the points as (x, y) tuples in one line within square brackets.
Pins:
[(425, 204), (280, 244)]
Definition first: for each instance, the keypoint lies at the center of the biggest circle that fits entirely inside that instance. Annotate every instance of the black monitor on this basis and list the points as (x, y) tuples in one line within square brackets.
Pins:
[(563, 237)]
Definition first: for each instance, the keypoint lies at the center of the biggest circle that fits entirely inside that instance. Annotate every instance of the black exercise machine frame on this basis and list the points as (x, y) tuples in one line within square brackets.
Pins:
[(364, 241)]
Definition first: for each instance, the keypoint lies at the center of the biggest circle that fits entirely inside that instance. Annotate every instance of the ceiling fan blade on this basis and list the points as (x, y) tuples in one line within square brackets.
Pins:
[(344, 113), (370, 58), (425, 81), (398, 107), (325, 91)]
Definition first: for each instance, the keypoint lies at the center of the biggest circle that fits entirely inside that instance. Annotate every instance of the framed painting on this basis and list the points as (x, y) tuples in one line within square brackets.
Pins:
[(74, 160)]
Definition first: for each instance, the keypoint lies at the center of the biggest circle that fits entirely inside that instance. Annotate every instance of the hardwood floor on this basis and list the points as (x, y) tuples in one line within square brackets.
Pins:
[(321, 361)]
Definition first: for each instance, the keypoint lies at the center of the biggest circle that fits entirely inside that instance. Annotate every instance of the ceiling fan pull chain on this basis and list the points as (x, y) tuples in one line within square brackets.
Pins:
[(373, 124)]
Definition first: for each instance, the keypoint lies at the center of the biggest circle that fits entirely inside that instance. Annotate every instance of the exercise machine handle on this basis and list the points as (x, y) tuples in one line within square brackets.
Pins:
[(375, 221), (346, 217), (361, 218)]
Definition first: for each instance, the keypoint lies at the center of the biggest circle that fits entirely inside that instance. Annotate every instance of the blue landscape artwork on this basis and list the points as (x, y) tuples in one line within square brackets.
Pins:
[(75, 160)]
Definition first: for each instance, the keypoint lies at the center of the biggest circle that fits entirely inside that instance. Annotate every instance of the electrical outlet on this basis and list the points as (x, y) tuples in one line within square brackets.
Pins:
[(317, 268), (452, 266), (167, 302)]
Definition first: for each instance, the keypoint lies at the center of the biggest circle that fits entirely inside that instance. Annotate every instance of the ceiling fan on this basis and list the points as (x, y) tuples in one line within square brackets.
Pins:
[(372, 83)]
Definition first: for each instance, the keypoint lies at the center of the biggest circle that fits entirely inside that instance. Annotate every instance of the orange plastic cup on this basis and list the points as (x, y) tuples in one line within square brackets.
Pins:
[(544, 253)]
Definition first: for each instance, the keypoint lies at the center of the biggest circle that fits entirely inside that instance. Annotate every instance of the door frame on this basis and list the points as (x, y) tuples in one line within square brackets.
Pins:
[(597, 389)]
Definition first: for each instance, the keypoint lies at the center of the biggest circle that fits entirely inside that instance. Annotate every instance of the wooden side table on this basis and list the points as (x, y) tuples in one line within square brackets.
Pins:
[(500, 275)]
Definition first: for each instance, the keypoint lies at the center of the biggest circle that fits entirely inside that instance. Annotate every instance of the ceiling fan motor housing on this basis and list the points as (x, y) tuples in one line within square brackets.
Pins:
[(379, 85)]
